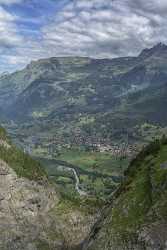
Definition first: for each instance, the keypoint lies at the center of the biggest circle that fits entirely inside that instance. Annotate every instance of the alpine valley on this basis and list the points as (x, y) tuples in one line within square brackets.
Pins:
[(89, 169)]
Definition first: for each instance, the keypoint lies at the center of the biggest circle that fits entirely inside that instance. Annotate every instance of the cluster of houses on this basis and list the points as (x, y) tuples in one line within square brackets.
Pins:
[(53, 145)]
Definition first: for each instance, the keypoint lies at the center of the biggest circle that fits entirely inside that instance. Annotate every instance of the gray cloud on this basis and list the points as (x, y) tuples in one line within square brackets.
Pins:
[(95, 28), (8, 2)]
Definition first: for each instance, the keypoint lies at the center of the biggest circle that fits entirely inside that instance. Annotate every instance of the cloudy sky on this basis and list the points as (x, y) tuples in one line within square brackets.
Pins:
[(32, 29)]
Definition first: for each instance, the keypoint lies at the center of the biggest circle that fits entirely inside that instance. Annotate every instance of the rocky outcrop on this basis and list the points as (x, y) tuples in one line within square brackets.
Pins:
[(24, 213), (31, 216)]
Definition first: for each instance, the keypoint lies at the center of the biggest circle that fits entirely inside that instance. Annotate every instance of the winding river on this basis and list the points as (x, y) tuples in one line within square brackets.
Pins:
[(77, 183), (65, 167)]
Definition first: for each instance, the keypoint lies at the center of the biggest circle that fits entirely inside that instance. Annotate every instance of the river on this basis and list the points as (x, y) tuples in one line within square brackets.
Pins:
[(77, 181)]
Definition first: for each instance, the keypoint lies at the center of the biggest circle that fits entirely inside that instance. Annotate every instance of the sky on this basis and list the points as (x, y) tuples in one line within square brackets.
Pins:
[(33, 29)]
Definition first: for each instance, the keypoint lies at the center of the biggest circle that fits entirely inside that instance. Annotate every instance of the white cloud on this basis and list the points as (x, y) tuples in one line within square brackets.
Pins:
[(9, 35), (10, 38)]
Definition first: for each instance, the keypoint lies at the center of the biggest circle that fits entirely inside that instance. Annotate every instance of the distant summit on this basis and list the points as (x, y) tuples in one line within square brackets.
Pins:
[(158, 50)]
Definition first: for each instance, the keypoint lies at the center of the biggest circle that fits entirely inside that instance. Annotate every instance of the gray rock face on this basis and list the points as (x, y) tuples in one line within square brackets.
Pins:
[(30, 218), (24, 213), (163, 165)]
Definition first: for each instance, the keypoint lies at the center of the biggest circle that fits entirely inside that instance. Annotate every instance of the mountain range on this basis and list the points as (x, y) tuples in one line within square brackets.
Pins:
[(113, 92), (59, 87)]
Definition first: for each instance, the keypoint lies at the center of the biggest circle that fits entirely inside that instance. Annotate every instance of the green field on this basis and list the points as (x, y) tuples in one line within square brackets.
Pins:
[(104, 163), (99, 173)]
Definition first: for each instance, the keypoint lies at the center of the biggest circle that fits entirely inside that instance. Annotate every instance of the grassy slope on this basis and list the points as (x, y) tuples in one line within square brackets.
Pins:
[(141, 206), (23, 164)]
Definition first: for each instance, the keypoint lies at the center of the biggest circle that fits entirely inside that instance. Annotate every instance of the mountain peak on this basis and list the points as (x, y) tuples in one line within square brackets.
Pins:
[(158, 50), (160, 47)]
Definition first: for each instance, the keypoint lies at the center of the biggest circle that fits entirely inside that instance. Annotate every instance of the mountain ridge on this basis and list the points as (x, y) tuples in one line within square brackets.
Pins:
[(119, 74)]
